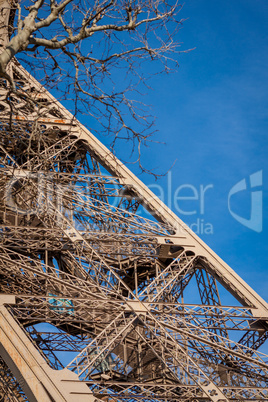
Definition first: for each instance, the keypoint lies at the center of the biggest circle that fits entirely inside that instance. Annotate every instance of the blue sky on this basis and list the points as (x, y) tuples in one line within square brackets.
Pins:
[(213, 116)]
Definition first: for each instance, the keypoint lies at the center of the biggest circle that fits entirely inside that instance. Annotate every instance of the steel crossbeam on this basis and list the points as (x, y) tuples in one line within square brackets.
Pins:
[(175, 271), (91, 275), (10, 389), (98, 347)]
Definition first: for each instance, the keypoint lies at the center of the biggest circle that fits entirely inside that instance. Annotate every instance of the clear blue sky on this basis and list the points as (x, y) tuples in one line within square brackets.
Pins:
[(212, 115)]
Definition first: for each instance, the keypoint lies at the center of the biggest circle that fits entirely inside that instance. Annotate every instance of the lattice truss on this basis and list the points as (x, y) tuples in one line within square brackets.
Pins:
[(131, 305)]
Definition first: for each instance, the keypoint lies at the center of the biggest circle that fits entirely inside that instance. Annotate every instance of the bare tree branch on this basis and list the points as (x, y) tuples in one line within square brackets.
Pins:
[(97, 49)]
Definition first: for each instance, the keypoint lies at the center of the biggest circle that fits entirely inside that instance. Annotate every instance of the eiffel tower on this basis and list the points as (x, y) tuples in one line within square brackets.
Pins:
[(97, 302)]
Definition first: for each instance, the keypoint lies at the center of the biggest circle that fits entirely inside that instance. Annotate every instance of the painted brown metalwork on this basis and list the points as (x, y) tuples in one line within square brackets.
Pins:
[(98, 302)]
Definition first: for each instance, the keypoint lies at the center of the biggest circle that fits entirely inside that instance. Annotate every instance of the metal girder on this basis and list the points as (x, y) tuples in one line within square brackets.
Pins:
[(84, 273), (37, 380), (10, 389)]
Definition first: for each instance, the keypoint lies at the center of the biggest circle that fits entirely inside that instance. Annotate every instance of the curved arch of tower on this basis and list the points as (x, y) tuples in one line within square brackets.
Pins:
[(98, 302)]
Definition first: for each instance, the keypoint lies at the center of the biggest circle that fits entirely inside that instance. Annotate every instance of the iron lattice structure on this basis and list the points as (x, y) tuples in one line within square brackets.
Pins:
[(99, 303)]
